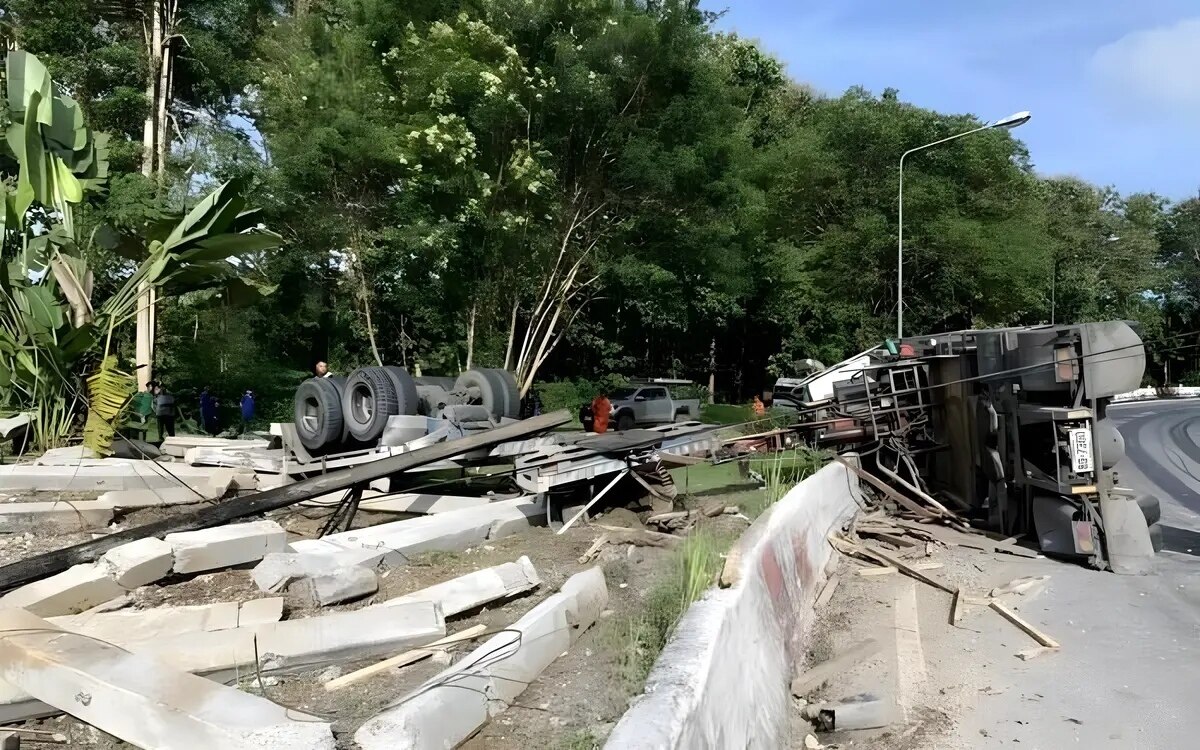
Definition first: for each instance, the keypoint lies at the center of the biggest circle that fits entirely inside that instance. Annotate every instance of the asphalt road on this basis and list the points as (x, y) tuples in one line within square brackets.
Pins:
[(1129, 668)]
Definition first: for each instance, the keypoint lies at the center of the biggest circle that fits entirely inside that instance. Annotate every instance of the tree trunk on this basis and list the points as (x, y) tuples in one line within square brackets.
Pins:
[(364, 296), (712, 368), (512, 334), (471, 335), (144, 348), (164, 90)]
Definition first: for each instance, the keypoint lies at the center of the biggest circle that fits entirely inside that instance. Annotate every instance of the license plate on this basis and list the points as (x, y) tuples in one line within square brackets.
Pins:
[(1081, 450)]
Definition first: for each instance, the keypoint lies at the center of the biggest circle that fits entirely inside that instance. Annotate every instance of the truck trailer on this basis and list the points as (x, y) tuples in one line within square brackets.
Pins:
[(1005, 428)]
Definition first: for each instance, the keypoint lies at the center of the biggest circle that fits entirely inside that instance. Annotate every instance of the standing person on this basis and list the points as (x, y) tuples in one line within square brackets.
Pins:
[(208, 411), (164, 411), (759, 408), (601, 410), (322, 370), (247, 409)]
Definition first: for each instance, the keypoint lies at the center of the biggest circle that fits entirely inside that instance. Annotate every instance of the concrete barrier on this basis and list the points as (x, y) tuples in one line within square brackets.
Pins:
[(1145, 394), (698, 694)]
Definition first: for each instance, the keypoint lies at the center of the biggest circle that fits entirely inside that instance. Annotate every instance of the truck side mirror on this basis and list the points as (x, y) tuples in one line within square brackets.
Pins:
[(639, 398)]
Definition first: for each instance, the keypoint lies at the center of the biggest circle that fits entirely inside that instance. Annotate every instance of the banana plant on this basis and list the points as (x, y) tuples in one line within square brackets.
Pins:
[(56, 343)]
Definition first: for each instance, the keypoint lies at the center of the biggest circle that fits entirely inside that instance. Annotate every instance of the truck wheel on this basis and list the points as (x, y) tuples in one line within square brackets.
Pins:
[(407, 400), (369, 398), (1156, 537), (490, 395), (1150, 508), (318, 413), (625, 422), (506, 386)]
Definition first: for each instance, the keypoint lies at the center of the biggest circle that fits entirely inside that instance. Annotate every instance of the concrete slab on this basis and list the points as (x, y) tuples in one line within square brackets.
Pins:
[(179, 445), (67, 456), (225, 546), (113, 474), (75, 589), (293, 644), (340, 585), (129, 628), (450, 707), (451, 531), (74, 514), (166, 496), (307, 642), (475, 589), (139, 563), (410, 502), (141, 700), (278, 569)]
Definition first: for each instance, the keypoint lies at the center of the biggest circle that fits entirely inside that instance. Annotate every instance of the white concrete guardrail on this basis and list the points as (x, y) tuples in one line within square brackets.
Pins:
[(723, 679), (1144, 394)]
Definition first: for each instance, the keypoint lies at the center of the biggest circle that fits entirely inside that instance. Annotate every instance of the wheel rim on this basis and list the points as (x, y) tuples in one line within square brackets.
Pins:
[(362, 404), (311, 416)]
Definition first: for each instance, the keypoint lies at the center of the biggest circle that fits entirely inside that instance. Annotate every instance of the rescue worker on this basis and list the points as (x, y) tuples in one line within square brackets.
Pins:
[(759, 409), (601, 410)]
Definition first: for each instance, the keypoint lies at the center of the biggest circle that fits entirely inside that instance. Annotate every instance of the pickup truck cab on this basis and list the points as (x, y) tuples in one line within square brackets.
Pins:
[(649, 405)]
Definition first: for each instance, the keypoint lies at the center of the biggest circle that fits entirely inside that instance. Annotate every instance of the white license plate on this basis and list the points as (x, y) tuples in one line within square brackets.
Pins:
[(1081, 450)]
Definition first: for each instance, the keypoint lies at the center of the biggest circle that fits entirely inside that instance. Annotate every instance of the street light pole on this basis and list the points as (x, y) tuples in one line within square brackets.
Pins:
[(1012, 121)]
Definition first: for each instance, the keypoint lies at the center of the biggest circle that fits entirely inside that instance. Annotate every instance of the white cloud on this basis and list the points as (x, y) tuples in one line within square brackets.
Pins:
[(1154, 69)]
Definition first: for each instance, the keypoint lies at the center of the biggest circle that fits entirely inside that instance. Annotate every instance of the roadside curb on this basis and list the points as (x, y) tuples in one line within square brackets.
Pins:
[(722, 680)]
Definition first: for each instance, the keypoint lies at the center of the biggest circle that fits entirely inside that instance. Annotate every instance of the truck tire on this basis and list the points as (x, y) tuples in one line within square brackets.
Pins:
[(490, 395), (625, 422), (407, 400), (368, 399), (318, 413), (506, 386), (1151, 508), (1156, 537)]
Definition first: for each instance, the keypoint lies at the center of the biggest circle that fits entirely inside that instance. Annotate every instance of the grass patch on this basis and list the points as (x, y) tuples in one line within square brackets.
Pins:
[(726, 413), (781, 472), (637, 639), (435, 558), (584, 739)]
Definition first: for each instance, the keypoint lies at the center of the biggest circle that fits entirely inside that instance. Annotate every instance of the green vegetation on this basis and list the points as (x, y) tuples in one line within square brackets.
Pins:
[(584, 739), (591, 190), (726, 413), (637, 639)]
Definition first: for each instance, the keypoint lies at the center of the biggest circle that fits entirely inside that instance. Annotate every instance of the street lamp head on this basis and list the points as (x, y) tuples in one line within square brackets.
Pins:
[(1014, 120)]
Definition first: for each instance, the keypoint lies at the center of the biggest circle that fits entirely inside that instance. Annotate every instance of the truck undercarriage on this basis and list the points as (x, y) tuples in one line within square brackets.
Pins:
[(1005, 429)]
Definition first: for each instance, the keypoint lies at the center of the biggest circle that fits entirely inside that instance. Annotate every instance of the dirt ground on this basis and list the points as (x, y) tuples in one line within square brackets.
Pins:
[(572, 706)]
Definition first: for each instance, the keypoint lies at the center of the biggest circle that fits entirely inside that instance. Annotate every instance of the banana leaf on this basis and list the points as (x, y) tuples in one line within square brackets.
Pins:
[(109, 391)]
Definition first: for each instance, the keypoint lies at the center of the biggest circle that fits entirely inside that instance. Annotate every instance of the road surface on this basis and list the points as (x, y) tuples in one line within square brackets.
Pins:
[(1129, 669)]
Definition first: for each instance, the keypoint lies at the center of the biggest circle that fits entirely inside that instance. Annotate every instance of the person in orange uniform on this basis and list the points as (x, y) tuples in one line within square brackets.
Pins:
[(601, 409), (759, 409)]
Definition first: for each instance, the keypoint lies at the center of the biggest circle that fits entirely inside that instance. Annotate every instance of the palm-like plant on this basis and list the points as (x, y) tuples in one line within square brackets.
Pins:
[(54, 339)]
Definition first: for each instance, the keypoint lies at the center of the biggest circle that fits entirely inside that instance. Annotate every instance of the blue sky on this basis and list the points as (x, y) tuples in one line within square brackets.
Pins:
[(1114, 85)]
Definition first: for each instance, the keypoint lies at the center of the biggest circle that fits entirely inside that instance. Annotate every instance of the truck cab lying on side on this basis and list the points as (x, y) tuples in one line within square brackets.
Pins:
[(1008, 427)]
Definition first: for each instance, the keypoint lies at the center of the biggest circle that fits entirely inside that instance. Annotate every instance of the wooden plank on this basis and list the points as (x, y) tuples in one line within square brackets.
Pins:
[(404, 659), (905, 568), (888, 490), (1021, 623), (827, 592), (927, 566), (1033, 653), (956, 607), (823, 672), (880, 571), (49, 563), (595, 548)]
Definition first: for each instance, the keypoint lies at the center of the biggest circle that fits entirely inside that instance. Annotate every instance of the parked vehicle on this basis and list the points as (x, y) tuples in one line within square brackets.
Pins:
[(641, 405)]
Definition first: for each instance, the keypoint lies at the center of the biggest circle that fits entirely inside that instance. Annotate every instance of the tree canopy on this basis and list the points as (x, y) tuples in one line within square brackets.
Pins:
[(578, 189)]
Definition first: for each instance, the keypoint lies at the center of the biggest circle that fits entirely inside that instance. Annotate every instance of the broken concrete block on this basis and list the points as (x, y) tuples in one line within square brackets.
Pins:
[(75, 589), (450, 707), (422, 503), (307, 642), (74, 514), (130, 627), (117, 474), (278, 569), (139, 699), (451, 531), (225, 546), (129, 499), (138, 563), (341, 585), (475, 589)]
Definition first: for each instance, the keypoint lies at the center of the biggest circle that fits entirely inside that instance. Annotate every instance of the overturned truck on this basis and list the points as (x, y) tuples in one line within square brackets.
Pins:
[(1006, 429)]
